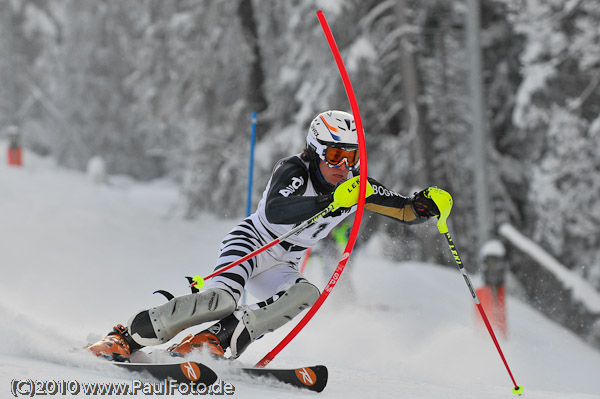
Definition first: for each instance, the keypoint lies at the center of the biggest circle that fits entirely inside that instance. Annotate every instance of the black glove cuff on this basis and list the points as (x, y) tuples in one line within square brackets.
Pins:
[(423, 206), (324, 200)]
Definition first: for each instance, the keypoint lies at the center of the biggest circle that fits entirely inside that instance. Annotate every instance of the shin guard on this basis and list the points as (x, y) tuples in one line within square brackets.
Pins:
[(158, 325), (256, 320)]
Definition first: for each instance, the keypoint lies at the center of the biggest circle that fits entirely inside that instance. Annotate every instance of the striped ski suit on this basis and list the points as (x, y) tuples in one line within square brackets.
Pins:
[(293, 194)]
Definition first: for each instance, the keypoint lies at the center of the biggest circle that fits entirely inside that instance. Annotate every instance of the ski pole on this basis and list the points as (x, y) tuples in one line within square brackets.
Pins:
[(198, 281), (443, 200)]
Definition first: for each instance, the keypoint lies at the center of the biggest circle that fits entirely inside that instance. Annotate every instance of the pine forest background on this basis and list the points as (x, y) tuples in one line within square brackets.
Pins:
[(165, 89)]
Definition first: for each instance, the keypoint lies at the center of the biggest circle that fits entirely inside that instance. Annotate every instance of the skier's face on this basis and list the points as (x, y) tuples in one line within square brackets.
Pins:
[(333, 175)]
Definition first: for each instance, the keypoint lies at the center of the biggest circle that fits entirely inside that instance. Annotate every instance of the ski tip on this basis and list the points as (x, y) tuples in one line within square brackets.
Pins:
[(314, 378)]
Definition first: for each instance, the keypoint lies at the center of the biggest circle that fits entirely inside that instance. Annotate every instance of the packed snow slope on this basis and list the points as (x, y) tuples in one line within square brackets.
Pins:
[(78, 257)]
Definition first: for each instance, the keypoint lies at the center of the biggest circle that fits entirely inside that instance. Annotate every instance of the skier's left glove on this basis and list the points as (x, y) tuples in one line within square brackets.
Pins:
[(424, 206)]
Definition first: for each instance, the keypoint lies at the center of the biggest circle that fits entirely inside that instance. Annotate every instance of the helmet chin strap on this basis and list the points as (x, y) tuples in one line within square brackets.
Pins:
[(319, 175), (322, 178), (314, 169)]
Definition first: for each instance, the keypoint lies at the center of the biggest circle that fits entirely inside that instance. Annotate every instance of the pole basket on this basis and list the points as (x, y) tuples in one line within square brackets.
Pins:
[(493, 302)]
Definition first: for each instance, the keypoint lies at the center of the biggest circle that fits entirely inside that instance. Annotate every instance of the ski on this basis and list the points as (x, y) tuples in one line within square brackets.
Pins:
[(312, 378), (183, 372)]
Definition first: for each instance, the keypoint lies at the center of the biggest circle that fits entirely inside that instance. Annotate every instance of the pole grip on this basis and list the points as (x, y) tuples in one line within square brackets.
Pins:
[(443, 200)]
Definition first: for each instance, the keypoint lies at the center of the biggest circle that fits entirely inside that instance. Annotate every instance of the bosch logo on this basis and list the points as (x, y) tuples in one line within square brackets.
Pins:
[(380, 190)]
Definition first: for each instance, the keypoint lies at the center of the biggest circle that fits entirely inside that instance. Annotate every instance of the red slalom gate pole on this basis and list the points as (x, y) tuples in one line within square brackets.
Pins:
[(362, 149), (305, 260)]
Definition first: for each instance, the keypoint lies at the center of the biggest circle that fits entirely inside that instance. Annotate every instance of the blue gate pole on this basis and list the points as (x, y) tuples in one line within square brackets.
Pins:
[(250, 175), (251, 169)]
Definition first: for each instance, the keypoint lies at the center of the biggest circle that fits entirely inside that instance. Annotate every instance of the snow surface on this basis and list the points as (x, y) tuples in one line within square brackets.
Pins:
[(78, 257)]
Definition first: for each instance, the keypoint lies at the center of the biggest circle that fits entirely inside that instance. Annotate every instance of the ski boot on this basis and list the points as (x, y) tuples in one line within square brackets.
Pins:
[(214, 340), (203, 341), (116, 346)]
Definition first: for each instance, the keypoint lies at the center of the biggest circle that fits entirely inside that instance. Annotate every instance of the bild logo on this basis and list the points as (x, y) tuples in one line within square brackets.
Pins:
[(190, 370), (297, 182)]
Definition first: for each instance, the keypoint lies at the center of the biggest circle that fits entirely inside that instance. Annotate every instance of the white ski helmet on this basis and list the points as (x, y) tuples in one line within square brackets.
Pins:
[(334, 129)]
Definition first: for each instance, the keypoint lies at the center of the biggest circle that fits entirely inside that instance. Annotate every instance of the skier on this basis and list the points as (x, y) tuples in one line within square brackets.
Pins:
[(300, 186)]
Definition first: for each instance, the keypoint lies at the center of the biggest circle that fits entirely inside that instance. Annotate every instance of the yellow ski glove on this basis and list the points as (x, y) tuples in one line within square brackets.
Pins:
[(346, 193)]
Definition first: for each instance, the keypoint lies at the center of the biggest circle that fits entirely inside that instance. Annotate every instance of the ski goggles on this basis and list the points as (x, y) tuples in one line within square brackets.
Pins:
[(335, 156)]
